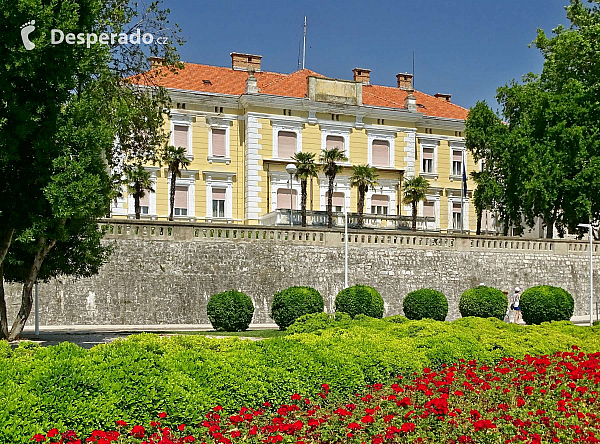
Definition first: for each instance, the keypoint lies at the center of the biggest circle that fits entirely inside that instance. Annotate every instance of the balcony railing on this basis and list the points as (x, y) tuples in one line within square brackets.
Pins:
[(375, 221)]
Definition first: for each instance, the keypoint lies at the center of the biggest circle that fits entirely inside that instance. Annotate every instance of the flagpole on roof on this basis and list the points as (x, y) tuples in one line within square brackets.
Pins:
[(304, 44)]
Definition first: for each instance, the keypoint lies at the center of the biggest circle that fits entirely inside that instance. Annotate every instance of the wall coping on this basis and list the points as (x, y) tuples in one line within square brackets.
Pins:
[(198, 231)]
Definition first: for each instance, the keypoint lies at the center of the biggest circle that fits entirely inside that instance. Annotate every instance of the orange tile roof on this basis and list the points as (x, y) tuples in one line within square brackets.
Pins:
[(228, 81)]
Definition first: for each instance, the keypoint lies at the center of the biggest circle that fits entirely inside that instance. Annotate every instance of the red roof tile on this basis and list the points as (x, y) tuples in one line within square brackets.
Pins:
[(216, 79)]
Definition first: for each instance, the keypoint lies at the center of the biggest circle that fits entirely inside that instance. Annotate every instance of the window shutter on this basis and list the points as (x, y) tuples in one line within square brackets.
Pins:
[(145, 201), (428, 153), (218, 142), (429, 209), (338, 199), (218, 194), (283, 199), (180, 136), (380, 200), (381, 153), (286, 144), (457, 156), (334, 142), (181, 197)]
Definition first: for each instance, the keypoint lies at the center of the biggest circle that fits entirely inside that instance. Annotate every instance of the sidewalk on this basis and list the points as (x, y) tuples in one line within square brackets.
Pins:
[(87, 336)]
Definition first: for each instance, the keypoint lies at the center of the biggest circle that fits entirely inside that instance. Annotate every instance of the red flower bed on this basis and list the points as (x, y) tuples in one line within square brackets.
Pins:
[(538, 399)]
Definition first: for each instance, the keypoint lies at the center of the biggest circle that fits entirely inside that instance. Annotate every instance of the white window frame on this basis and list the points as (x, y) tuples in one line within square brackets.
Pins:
[(339, 131), (436, 208), (183, 120), (387, 187), (385, 135), (280, 180), (187, 179), (456, 199), (224, 180), (342, 185), (222, 123), (292, 126), (431, 144), (151, 199), (457, 146)]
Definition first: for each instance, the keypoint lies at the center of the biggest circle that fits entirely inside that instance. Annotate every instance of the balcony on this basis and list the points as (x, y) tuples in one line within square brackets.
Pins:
[(373, 221)]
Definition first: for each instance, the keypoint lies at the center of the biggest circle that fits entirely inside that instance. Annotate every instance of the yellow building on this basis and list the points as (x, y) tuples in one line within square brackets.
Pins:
[(241, 125)]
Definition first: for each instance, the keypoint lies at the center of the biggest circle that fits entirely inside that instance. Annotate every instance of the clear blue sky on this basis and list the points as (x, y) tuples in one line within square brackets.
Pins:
[(463, 47)]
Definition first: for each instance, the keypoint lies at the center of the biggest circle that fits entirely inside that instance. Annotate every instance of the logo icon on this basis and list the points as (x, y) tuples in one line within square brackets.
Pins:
[(27, 29)]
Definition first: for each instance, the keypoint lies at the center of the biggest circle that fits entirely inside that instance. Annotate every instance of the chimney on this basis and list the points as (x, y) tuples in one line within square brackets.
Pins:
[(404, 80), (443, 97), (251, 83), (362, 75), (243, 62), (156, 62), (411, 100)]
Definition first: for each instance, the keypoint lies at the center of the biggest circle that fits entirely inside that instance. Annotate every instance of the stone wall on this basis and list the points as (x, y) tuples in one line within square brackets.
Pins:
[(164, 273)]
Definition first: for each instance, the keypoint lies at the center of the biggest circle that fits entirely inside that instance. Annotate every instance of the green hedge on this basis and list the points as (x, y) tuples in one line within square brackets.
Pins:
[(359, 299), (425, 304), (230, 311), (545, 303), (293, 302), (135, 378), (483, 302)]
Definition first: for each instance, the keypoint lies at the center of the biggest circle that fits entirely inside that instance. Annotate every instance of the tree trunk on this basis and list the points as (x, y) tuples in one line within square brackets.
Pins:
[(414, 216), (360, 206), (3, 317), (44, 247), (138, 208), (172, 194), (5, 240), (330, 202), (303, 201), (479, 216)]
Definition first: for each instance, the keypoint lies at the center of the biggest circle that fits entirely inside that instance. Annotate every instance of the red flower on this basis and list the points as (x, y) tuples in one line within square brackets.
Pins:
[(138, 431), (52, 433), (162, 415), (296, 397), (407, 427), (181, 427), (325, 387), (367, 419), (121, 423), (354, 426), (189, 439), (38, 438)]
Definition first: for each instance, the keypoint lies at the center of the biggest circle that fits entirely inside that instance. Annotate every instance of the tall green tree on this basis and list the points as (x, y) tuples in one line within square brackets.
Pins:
[(363, 177), (415, 190), (175, 159), (330, 160), (63, 108), (306, 168), (139, 183)]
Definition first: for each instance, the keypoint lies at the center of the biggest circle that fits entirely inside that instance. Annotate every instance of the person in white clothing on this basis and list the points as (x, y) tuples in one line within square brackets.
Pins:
[(515, 305)]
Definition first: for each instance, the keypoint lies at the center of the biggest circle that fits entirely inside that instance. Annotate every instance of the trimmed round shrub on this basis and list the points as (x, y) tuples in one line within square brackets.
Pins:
[(425, 304), (545, 303), (483, 302), (360, 299), (230, 311), (291, 303)]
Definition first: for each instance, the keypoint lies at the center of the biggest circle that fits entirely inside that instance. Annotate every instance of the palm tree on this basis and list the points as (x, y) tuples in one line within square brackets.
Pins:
[(330, 159), (138, 183), (363, 177), (415, 190), (306, 169), (175, 160)]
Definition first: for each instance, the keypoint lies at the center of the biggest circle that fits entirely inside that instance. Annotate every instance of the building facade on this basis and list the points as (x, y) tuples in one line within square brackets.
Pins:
[(241, 126)]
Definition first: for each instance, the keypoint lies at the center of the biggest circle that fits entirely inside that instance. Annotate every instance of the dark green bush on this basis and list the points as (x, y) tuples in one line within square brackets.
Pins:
[(291, 303), (545, 303), (425, 304), (360, 299), (483, 302), (230, 311)]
